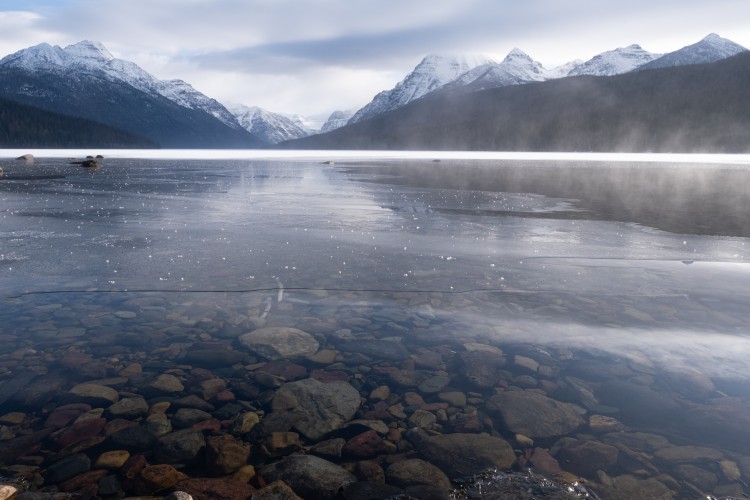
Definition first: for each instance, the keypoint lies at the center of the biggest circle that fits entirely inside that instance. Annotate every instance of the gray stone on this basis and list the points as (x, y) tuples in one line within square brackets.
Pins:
[(180, 447), (639, 403), (136, 438), (533, 414), (185, 417), (129, 408), (460, 455), (414, 472), (166, 384), (367, 490), (309, 476), (481, 368), (688, 454), (323, 407), (586, 457), (67, 468), (277, 342), (391, 350), (434, 384), (95, 394)]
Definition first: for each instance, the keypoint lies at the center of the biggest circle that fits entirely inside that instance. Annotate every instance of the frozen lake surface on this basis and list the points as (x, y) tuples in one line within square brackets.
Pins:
[(621, 288)]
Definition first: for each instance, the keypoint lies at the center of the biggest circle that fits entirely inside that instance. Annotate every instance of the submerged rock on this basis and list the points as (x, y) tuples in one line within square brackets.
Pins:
[(460, 455), (320, 407), (533, 414), (276, 342), (309, 476)]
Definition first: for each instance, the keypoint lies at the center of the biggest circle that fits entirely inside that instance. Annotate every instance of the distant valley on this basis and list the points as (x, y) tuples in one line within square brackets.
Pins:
[(627, 99)]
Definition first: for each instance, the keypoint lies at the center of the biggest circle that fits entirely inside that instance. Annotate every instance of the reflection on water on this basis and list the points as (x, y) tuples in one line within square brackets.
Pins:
[(591, 318)]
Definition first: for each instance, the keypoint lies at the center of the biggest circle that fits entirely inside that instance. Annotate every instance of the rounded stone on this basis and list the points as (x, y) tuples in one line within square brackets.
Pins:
[(277, 342), (129, 408), (414, 472), (533, 414), (96, 393), (166, 383), (112, 460)]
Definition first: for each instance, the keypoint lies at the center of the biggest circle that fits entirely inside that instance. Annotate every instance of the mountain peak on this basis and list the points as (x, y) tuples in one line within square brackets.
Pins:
[(87, 49), (615, 62), (434, 71), (709, 49), (517, 53)]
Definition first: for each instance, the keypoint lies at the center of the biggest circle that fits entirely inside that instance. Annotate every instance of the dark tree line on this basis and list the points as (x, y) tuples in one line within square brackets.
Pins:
[(24, 126)]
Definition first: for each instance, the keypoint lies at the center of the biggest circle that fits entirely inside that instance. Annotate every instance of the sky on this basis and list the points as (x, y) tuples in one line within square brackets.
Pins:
[(315, 56)]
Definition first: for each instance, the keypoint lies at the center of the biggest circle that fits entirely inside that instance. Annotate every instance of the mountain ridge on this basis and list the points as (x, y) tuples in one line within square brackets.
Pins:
[(692, 108), (85, 80)]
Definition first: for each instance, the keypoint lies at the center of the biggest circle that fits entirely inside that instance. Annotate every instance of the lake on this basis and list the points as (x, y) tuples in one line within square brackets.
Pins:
[(567, 324)]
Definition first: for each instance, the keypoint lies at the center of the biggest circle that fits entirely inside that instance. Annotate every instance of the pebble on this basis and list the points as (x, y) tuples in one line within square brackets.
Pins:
[(167, 384), (13, 418), (96, 394), (112, 460)]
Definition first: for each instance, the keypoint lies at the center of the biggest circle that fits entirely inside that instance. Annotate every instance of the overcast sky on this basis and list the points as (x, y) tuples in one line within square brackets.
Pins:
[(316, 56)]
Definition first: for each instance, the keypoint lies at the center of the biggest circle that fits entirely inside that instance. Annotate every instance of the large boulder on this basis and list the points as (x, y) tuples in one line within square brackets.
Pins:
[(309, 476), (533, 414), (461, 455), (319, 407), (277, 342)]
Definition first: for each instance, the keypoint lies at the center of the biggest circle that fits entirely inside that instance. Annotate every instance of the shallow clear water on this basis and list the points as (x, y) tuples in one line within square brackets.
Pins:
[(632, 272)]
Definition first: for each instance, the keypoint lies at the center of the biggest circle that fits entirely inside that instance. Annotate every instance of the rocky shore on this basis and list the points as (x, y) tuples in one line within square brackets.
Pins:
[(158, 396)]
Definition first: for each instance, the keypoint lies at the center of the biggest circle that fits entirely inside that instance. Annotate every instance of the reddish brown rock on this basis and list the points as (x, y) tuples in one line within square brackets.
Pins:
[(133, 466), (155, 478), (80, 431), (586, 457), (65, 414), (277, 490), (216, 489), (330, 375), (285, 369), (224, 455), (542, 460), (369, 470), (225, 396), (74, 359), (83, 481), (279, 444), (367, 444)]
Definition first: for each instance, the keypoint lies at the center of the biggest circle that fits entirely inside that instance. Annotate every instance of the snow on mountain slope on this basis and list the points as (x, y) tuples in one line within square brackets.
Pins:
[(563, 70), (517, 67), (93, 58), (337, 120), (615, 62), (434, 71), (270, 127), (710, 49)]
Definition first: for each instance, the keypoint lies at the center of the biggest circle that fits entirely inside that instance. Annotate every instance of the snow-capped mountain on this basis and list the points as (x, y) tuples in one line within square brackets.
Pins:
[(311, 123), (434, 71), (517, 67), (710, 49), (93, 56), (272, 128), (84, 79), (185, 95), (337, 120), (614, 62)]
